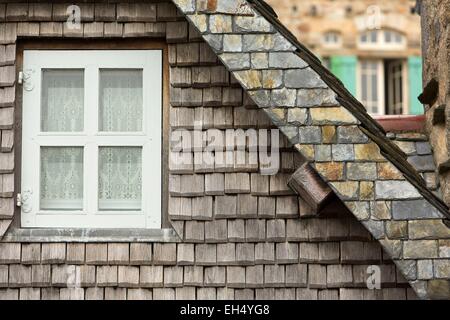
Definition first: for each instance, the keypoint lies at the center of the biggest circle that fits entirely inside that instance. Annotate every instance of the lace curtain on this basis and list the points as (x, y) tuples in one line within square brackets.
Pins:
[(120, 178), (61, 178), (62, 100), (121, 95), (120, 168)]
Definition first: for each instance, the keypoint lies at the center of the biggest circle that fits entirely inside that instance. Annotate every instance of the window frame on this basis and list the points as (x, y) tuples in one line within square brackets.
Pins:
[(381, 43), (98, 44), (402, 77), (332, 45), (381, 84)]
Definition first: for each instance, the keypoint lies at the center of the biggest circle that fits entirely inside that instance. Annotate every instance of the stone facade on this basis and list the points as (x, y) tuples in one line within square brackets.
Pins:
[(436, 53), (310, 20), (332, 29), (242, 235)]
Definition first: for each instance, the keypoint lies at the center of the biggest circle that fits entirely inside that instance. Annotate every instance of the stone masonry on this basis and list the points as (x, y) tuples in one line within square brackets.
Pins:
[(436, 52), (242, 235)]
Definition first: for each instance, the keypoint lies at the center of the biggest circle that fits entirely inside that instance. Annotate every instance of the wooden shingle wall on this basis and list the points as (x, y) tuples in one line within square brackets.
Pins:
[(241, 232)]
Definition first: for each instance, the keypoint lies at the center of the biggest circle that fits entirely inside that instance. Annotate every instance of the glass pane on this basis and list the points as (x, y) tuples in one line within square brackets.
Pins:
[(364, 88), (374, 89), (364, 38), (61, 178), (120, 178), (62, 100), (120, 100)]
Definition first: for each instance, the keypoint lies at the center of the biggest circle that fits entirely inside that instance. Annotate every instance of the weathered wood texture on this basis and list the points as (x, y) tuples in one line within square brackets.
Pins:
[(241, 236), (307, 182)]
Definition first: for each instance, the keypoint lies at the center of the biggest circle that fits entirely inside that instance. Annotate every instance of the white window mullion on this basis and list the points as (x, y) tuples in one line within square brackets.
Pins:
[(91, 146), (380, 88), (405, 77), (92, 180)]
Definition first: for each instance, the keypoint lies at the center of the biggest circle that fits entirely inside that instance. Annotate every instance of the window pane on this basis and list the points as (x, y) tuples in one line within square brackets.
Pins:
[(61, 178), (62, 100), (120, 100), (120, 178), (374, 89), (364, 87), (364, 38)]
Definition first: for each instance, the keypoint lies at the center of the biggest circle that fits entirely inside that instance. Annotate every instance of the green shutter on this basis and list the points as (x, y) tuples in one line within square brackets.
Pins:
[(415, 84), (344, 67)]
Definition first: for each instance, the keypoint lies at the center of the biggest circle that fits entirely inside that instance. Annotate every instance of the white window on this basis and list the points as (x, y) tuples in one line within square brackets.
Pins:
[(332, 39), (381, 40), (91, 139), (382, 86)]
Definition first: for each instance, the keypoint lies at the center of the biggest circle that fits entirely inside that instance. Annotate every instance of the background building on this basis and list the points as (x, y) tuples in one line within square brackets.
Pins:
[(372, 46)]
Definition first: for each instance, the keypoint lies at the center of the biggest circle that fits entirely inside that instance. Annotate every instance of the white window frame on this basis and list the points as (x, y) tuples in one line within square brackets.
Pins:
[(380, 84), (381, 43), (150, 61), (382, 107)]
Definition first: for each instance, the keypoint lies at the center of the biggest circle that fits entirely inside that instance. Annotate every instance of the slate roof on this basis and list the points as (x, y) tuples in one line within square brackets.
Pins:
[(370, 126)]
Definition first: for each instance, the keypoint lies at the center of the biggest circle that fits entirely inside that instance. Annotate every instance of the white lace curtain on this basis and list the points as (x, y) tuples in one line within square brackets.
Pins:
[(120, 168), (62, 107), (120, 108), (61, 178), (120, 178)]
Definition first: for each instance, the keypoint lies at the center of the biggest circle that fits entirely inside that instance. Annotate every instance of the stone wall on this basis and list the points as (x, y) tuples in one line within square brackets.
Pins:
[(436, 53), (241, 235), (309, 20)]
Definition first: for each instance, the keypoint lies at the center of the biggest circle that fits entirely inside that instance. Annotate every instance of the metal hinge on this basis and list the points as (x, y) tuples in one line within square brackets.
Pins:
[(25, 79), (19, 200)]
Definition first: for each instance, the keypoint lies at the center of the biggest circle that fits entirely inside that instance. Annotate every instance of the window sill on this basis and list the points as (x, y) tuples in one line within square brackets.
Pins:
[(90, 235), (401, 123)]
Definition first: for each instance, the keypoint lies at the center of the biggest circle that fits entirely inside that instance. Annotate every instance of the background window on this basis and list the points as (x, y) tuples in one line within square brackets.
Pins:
[(382, 86), (381, 40), (371, 89), (332, 39), (395, 87)]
